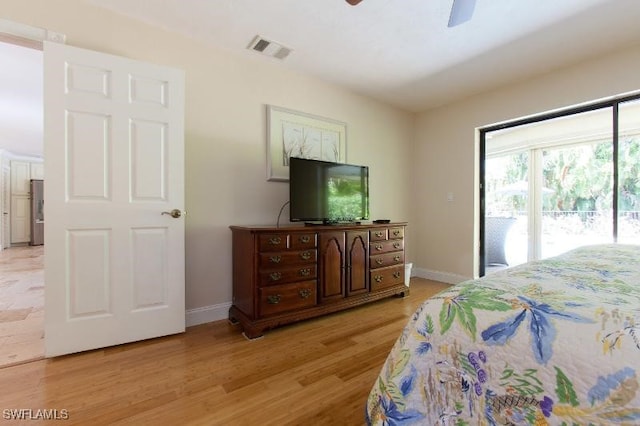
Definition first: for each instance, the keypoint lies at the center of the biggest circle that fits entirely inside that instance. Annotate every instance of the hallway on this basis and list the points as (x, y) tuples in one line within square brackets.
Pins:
[(21, 304)]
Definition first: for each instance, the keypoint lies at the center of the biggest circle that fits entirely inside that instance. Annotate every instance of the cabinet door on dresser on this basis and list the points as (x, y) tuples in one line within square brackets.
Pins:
[(331, 254), (357, 267)]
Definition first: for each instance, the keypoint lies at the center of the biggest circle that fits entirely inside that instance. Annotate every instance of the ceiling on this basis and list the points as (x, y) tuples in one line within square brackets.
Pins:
[(398, 51), (401, 51)]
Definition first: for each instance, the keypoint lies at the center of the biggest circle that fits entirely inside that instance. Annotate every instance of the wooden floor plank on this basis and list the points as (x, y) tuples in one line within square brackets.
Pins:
[(318, 371)]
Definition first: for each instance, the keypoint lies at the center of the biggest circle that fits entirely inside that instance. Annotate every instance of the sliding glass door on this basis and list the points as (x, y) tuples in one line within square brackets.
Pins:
[(552, 183), (577, 197), (506, 222), (629, 173)]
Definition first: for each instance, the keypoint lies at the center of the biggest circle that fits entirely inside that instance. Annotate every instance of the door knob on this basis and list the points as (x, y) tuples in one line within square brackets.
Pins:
[(175, 213)]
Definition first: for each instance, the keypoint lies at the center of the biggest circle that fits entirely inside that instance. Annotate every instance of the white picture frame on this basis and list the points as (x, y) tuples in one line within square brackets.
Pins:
[(298, 134)]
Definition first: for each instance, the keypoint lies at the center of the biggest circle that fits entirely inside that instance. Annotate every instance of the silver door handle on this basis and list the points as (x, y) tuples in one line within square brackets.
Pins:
[(175, 213)]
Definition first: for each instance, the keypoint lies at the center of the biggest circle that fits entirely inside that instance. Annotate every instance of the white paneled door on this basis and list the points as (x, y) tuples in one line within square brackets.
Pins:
[(114, 150)]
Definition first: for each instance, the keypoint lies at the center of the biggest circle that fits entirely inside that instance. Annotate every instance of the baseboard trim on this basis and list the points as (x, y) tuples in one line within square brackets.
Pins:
[(444, 277), (207, 314)]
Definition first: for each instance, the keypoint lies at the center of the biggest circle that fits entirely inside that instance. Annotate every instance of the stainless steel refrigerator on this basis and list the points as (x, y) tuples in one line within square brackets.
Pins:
[(37, 212)]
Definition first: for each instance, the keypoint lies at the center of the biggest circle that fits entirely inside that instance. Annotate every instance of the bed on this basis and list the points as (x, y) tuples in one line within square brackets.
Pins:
[(553, 342)]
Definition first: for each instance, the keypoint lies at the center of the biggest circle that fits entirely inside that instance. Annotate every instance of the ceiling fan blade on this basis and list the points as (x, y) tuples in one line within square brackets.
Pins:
[(353, 2), (461, 11)]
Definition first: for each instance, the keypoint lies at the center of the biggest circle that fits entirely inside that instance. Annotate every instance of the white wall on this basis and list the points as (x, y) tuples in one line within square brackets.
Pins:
[(226, 142), (445, 159), (226, 132)]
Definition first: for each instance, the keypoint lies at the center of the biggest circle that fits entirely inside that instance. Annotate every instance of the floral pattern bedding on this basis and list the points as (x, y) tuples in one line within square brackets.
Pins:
[(550, 342)]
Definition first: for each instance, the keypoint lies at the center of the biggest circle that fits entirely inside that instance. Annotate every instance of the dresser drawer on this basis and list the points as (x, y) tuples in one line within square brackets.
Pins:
[(386, 277), (287, 258), (273, 242), (396, 233), (288, 297), (303, 241), (387, 259), (281, 276), (378, 234), (379, 247)]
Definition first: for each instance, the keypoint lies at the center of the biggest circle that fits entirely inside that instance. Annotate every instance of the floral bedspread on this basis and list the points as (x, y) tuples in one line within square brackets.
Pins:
[(551, 342)]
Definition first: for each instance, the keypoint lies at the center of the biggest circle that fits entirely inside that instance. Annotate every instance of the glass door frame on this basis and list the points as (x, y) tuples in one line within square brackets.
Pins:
[(612, 103)]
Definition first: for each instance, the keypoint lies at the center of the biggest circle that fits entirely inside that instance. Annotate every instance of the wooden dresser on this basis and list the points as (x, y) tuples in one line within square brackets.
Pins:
[(287, 274)]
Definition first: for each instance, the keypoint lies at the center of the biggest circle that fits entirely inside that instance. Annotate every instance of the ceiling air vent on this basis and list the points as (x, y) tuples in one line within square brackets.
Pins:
[(269, 48)]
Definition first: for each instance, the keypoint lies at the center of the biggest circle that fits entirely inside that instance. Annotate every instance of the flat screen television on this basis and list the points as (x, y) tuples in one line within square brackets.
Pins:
[(326, 192)]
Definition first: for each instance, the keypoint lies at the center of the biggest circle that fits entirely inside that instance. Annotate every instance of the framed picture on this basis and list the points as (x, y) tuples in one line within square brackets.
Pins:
[(296, 134)]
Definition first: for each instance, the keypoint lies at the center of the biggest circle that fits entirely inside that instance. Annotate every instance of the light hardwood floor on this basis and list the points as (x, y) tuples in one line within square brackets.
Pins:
[(21, 304), (315, 372)]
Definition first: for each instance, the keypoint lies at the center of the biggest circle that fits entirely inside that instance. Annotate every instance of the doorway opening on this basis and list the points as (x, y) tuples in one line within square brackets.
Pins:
[(21, 204)]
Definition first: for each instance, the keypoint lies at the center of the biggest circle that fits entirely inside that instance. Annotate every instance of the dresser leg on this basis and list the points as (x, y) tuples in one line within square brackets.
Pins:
[(251, 336), (404, 293), (232, 319)]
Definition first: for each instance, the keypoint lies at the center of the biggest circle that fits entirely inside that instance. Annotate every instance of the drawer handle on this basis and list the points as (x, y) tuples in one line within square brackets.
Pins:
[(305, 239), (275, 259), (378, 278), (379, 261), (396, 245), (274, 300), (304, 293), (379, 247), (306, 255), (379, 234), (396, 258), (396, 232), (396, 275), (275, 276), (274, 241), (305, 272)]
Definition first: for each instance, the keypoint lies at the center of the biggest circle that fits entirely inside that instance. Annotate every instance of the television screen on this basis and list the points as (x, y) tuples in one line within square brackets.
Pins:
[(327, 192)]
